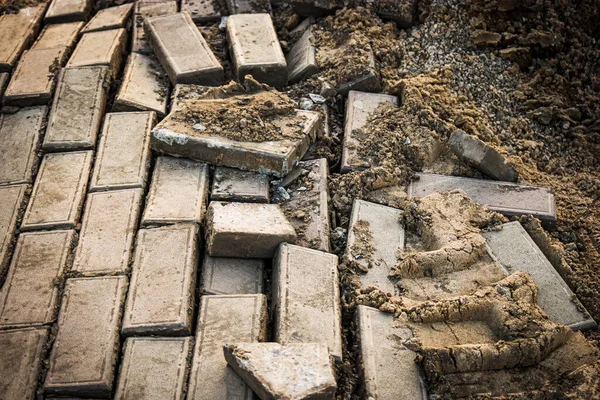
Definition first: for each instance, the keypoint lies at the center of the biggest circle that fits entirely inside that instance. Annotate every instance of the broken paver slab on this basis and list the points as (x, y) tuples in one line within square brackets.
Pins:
[(118, 169), (58, 35), (139, 43), (67, 11), (144, 87), (100, 48), (273, 371), (222, 320), (222, 275), (232, 184), (375, 237), (163, 280), (515, 249), (84, 354), (249, 6), (59, 191), (153, 368), (29, 295), (12, 203), (78, 108), (17, 32), (359, 107), (301, 59), (203, 10), (20, 137), (255, 49), (182, 50), (21, 358), (506, 198), (306, 298), (388, 369), (110, 18), (246, 230), (108, 228)]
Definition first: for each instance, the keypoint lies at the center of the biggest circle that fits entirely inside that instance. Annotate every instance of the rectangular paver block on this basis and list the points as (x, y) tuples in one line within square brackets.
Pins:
[(222, 275), (248, 6), (246, 230), (306, 298), (178, 192), (232, 184), (123, 154), (13, 200), (78, 108), (203, 10), (20, 137), (154, 368), (17, 32), (163, 282), (21, 358), (59, 191), (58, 35), (255, 49), (110, 18), (100, 48), (84, 353), (139, 43), (515, 250), (68, 11), (221, 320), (301, 60), (374, 238), (108, 228)]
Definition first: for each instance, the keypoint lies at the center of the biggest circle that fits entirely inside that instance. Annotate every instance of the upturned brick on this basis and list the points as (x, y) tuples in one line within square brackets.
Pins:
[(231, 184), (222, 275), (139, 43), (61, 11), (110, 18), (58, 35), (17, 32), (104, 48), (13, 201)]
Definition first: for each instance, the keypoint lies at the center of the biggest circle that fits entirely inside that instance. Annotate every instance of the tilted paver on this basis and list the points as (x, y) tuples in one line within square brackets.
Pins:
[(301, 60), (203, 10), (248, 6), (110, 18), (12, 204), (68, 11), (17, 32), (100, 48), (58, 35), (139, 43), (231, 184), (223, 275)]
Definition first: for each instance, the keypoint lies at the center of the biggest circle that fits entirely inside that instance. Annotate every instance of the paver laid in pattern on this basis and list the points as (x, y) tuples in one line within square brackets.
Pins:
[(139, 43), (100, 48), (17, 32), (203, 10), (58, 35), (232, 184), (301, 60), (67, 11), (110, 18), (12, 204), (222, 275)]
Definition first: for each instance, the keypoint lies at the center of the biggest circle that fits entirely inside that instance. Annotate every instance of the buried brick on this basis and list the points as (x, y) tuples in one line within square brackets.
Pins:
[(104, 48), (110, 18), (231, 184), (223, 275), (17, 32), (402, 12), (367, 81), (12, 203), (58, 35), (61, 11)]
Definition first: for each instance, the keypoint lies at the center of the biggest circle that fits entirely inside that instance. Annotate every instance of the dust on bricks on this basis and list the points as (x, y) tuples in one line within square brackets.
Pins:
[(182, 50), (110, 18), (153, 368), (20, 137), (368, 81), (203, 10), (88, 330), (246, 230), (139, 43), (515, 249), (255, 49), (58, 35), (248, 6), (68, 11), (118, 169), (232, 184), (301, 59), (78, 108), (108, 228), (375, 236), (163, 281), (17, 32), (359, 107), (58, 192), (222, 275), (12, 203), (29, 295), (222, 320), (100, 48)]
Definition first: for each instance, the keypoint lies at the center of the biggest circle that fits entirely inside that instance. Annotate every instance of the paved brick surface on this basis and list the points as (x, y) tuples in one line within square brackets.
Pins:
[(59, 191), (222, 275), (21, 356), (231, 184), (12, 204), (203, 10), (153, 368), (163, 281), (306, 298), (100, 48), (58, 35), (20, 138), (248, 6), (78, 108), (17, 32), (301, 60), (118, 169), (68, 10), (110, 18), (84, 353), (222, 320), (246, 230), (178, 192), (108, 228), (255, 49), (29, 294), (139, 43), (182, 50)]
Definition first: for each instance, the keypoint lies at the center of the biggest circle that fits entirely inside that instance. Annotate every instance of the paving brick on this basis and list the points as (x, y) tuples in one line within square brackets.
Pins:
[(139, 43), (231, 184), (84, 353), (17, 32), (246, 230), (359, 107), (58, 35), (78, 108), (21, 357), (4, 78), (506, 198), (182, 50), (110, 18), (67, 11), (118, 169), (163, 281), (20, 137), (153, 368), (58, 192), (306, 298), (301, 59), (144, 87), (255, 49), (108, 228), (203, 10), (249, 6), (374, 238), (515, 249), (388, 369), (178, 192), (30, 292), (100, 48), (222, 320), (12, 203), (222, 275)]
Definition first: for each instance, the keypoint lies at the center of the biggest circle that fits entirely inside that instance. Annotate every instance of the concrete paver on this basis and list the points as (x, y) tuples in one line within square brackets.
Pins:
[(222, 275), (58, 35), (110, 18), (232, 184), (203, 10), (12, 204), (139, 43), (100, 48), (249, 6), (301, 60), (67, 11), (18, 31)]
